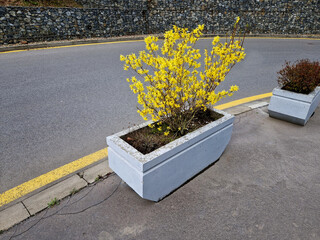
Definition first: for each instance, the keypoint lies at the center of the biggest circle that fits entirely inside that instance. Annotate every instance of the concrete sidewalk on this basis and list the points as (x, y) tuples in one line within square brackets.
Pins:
[(265, 186)]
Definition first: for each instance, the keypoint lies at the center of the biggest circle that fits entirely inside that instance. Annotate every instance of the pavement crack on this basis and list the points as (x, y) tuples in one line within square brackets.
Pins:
[(26, 208)]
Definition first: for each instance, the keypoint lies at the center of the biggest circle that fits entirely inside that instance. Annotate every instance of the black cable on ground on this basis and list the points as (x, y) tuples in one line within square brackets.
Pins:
[(14, 235), (96, 204)]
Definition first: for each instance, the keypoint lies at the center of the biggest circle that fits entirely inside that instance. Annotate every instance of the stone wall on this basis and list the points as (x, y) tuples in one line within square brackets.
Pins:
[(46, 24), (261, 16), (107, 18), (127, 4)]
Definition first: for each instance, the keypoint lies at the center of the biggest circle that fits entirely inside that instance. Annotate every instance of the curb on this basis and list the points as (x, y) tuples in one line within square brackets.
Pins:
[(37, 201), (43, 45), (37, 45)]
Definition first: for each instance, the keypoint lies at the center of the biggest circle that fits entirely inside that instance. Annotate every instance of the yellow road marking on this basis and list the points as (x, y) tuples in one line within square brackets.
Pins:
[(284, 38), (275, 38), (38, 182), (92, 44), (68, 46), (242, 101), (13, 51)]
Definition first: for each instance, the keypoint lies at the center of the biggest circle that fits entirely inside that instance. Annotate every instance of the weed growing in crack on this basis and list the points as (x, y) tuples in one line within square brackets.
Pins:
[(53, 202), (74, 191), (98, 178)]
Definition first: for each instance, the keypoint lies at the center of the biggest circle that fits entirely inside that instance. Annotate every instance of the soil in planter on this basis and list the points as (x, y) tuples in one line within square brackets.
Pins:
[(289, 88), (146, 139)]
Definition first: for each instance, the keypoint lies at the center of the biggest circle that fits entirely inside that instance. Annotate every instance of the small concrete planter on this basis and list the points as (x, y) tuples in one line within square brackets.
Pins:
[(293, 107), (155, 175)]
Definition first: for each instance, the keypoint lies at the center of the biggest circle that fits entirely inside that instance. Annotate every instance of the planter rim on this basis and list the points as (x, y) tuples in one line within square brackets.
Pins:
[(144, 158), (308, 98)]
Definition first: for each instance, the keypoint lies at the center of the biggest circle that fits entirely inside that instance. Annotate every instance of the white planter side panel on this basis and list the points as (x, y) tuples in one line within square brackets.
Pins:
[(155, 175), (169, 175), (125, 171), (293, 107), (314, 103), (183, 143), (288, 109)]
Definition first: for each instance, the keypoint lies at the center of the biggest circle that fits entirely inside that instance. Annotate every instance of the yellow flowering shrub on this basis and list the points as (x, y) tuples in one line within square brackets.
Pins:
[(173, 88)]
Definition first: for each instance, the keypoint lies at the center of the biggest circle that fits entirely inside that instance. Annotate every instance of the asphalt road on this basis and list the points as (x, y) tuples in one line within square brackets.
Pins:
[(57, 105)]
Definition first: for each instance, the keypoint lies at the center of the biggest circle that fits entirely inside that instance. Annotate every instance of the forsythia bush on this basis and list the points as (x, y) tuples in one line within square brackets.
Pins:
[(173, 89)]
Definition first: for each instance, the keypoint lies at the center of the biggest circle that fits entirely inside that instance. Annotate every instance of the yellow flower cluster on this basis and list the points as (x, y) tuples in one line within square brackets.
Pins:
[(173, 82)]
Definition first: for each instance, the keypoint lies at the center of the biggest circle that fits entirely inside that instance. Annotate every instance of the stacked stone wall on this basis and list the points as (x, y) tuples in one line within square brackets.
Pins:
[(109, 18)]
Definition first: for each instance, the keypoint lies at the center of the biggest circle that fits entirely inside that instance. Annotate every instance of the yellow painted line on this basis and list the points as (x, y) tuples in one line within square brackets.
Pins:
[(129, 41), (13, 51), (76, 165), (68, 46), (38, 182), (284, 38), (242, 101), (275, 38)]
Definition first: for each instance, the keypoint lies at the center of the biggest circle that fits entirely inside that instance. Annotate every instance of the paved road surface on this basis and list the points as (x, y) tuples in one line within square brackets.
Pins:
[(265, 186), (58, 105)]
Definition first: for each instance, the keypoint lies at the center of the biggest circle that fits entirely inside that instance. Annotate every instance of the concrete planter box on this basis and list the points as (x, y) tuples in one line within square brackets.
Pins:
[(155, 175), (293, 107)]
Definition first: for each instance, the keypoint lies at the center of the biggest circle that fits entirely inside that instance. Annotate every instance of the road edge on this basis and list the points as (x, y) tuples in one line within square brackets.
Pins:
[(134, 38)]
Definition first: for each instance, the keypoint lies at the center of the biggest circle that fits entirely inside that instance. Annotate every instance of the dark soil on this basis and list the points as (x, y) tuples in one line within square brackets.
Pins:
[(147, 139), (290, 88)]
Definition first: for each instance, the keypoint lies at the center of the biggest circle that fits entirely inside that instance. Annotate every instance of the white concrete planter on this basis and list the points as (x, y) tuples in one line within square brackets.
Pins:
[(155, 175), (293, 107)]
